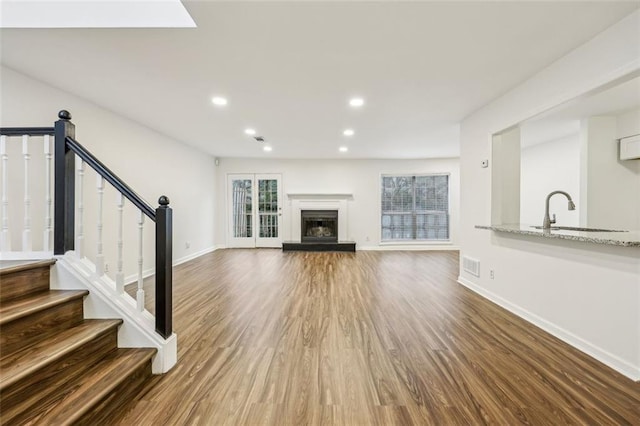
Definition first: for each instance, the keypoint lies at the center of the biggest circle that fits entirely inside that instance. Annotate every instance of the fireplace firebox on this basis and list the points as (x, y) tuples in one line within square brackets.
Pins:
[(319, 226)]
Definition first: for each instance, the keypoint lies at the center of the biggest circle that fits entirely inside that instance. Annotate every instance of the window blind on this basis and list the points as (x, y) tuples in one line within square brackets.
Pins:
[(415, 207)]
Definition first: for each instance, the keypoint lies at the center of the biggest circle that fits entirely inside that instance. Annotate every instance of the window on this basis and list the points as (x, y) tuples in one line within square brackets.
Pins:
[(415, 207), (242, 204)]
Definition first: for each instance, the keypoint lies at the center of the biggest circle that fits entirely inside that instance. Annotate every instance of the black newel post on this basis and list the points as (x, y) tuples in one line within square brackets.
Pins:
[(64, 189), (164, 274)]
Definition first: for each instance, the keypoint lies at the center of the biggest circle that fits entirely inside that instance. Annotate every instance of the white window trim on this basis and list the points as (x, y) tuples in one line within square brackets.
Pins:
[(412, 242)]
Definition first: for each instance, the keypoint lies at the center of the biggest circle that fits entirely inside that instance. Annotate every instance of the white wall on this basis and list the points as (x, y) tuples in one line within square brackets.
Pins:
[(358, 177), (505, 177), (546, 167), (611, 185), (628, 124), (588, 295), (151, 163)]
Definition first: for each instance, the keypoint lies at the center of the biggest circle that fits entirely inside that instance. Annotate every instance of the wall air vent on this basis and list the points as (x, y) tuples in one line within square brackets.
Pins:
[(471, 265)]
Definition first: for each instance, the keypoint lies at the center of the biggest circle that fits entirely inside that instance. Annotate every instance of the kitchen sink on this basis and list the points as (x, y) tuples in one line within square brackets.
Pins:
[(573, 228)]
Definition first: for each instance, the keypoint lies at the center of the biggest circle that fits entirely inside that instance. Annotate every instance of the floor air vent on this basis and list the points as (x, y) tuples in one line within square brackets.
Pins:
[(471, 265)]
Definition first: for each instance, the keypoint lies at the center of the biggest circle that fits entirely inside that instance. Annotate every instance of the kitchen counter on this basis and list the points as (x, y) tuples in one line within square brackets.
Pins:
[(625, 239)]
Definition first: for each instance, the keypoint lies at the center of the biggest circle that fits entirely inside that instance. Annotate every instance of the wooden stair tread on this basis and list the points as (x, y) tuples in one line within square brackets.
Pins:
[(80, 396), (26, 266), (55, 367), (15, 366), (17, 308)]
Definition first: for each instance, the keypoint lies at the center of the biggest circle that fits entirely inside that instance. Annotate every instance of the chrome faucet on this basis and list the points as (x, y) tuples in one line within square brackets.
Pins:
[(546, 224)]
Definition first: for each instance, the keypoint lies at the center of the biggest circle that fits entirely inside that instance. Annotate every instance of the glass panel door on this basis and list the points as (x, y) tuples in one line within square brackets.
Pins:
[(255, 213), (269, 211), (241, 211)]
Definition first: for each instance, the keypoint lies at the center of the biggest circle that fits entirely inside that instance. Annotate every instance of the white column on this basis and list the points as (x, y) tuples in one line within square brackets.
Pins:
[(99, 254), (120, 272), (80, 199), (48, 232), (26, 232), (140, 293), (5, 238)]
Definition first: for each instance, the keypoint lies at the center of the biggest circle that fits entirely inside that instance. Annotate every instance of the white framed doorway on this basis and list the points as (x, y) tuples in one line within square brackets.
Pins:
[(254, 206)]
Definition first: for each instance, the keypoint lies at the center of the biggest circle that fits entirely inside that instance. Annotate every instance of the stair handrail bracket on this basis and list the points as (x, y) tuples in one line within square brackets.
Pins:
[(66, 204)]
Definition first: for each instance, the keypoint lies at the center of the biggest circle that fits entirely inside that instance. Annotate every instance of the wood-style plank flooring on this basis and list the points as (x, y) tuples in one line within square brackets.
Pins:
[(366, 338)]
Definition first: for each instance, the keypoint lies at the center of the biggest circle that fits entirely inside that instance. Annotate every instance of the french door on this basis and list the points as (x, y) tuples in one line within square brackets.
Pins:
[(255, 210)]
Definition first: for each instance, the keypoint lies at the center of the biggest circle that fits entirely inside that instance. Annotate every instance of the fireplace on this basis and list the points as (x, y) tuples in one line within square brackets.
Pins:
[(319, 226)]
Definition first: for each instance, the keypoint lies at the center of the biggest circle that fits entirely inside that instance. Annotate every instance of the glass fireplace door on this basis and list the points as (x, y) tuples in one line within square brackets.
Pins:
[(255, 210)]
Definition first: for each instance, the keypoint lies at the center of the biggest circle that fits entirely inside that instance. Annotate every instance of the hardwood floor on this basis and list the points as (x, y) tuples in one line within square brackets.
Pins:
[(366, 338)]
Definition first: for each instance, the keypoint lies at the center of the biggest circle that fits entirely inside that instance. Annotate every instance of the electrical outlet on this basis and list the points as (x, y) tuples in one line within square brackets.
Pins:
[(187, 244), (491, 274), (106, 268)]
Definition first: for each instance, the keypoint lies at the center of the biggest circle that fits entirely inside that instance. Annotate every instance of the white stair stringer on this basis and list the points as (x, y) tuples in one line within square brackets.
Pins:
[(138, 328)]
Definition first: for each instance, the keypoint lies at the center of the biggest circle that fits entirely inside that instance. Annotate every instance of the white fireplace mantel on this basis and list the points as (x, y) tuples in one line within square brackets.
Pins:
[(318, 195), (320, 201)]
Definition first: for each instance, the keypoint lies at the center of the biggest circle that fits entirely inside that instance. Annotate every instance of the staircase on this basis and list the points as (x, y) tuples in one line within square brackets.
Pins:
[(55, 366)]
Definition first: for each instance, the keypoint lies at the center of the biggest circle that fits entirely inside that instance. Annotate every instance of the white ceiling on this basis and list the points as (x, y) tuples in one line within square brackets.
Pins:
[(289, 68), (564, 120), (94, 14)]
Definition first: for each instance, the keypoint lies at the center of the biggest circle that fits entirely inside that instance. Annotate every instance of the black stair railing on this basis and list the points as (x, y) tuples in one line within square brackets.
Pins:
[(65, 150)]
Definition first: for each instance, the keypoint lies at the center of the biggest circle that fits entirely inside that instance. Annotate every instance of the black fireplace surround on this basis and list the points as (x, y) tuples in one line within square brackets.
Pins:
[(319, 226)]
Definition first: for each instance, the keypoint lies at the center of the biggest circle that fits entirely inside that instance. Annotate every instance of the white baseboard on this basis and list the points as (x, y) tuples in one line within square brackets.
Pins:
[(620, 365), (133, 278), (402, 247), (194, 255), (40, 255)]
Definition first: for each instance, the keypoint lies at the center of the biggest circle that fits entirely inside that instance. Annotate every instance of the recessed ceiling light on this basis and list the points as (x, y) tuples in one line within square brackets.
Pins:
[(343, 149), (250, 131), (348, 132), (356, 102), (219, 100), (267, 148)]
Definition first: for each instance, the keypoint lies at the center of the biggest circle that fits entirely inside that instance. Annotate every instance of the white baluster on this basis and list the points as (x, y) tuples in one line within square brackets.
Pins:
[(80, 199), (48, 233), (26, 233), (5, 238), (120, 272), (99, 254), (140, 293)]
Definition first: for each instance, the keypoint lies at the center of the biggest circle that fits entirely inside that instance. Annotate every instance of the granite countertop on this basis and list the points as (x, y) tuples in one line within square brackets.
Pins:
[(625, 239)]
